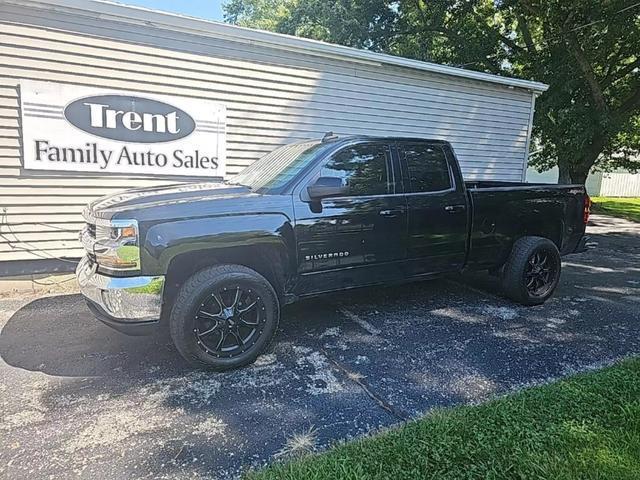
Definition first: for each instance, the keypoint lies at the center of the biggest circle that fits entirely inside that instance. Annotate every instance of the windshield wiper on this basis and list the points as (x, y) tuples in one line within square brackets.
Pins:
[(227, 182)]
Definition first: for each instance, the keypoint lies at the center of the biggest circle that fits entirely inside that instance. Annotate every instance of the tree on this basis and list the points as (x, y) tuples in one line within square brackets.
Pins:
[(589, 54), (262, 14), (359, 23), (588, 51)]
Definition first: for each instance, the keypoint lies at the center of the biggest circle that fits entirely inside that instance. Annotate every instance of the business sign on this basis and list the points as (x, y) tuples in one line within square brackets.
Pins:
[(71, 128)]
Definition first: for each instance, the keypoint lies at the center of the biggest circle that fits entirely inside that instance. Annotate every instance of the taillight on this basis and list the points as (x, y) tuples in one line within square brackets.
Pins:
[(586, 209)]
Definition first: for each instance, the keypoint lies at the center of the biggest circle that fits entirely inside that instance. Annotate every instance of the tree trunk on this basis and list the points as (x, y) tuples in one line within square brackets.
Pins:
[(564, 173), (571, 174), (579, 176)]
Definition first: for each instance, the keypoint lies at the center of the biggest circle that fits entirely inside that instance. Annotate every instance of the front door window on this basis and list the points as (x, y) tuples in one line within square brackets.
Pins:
[(364, 168)]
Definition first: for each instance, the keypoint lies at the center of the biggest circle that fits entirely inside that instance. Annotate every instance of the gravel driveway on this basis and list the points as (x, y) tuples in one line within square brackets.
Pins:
[(80, 400)]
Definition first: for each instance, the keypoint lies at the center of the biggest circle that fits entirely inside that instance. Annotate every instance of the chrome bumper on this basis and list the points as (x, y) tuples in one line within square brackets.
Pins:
[(122, 299)]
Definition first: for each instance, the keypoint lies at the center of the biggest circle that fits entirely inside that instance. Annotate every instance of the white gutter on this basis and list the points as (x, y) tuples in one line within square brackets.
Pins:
[(181, 23)]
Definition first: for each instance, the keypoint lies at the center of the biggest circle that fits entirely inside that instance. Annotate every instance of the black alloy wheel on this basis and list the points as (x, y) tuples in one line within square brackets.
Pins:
[(229, 321), (223, 317), (532, 272), (540, 273)]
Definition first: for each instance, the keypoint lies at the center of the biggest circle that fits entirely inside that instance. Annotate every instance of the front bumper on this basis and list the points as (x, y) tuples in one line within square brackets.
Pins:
[(131, 305)]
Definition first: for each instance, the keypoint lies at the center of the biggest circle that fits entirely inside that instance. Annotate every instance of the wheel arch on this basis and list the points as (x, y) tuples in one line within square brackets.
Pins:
[(262, 242), (551, 230), (268, 261)]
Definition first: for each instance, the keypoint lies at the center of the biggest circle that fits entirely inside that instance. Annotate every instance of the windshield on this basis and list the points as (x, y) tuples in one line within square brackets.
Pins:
[(276, 169)]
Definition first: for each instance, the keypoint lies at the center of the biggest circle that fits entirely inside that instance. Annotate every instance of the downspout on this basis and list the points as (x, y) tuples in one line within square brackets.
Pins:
[(529, 131)]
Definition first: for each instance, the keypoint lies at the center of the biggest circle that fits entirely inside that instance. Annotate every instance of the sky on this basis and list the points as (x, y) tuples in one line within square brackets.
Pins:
[(208, 9)]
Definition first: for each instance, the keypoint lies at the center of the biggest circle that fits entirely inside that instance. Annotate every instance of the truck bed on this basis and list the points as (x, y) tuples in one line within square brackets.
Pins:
[(502, 211), (486, 184)]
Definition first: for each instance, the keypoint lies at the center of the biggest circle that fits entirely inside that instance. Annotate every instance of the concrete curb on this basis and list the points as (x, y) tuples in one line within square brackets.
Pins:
[(34, 284)]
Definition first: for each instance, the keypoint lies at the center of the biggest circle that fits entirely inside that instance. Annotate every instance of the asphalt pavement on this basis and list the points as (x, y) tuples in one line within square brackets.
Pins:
[(79, 400)]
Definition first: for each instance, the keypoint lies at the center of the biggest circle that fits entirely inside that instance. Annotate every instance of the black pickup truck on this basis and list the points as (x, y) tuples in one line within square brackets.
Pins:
[(214, 262)]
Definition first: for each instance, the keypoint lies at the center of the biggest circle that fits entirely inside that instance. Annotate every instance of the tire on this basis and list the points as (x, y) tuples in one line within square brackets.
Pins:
[(532, 271), (213, 312)]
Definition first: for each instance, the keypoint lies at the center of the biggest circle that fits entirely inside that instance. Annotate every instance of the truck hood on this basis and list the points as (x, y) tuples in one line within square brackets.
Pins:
[(146, 198)]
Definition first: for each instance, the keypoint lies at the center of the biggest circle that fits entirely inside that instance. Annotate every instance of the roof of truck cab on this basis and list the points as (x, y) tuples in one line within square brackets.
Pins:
[(349, 138)]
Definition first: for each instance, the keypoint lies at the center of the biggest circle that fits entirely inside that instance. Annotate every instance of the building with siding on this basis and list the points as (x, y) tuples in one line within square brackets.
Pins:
[(276, 89)]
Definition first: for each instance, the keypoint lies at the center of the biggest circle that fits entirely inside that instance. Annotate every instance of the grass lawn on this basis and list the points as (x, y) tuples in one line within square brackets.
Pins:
[(585, 427), (628, 208)]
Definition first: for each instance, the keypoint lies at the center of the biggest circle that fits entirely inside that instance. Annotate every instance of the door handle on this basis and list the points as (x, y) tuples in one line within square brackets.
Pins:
[(455, 208), (394, 212)]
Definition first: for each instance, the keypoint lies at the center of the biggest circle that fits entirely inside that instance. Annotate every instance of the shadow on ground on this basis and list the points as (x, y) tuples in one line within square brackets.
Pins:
[(83, 400)]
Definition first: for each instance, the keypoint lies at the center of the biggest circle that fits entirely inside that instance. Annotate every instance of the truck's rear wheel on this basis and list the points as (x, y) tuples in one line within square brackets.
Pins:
[(532, 272), (223, 317)]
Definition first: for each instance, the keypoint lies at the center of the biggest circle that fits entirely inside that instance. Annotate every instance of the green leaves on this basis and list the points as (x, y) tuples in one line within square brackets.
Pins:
[(356, 23), (585, 52), (588, 51)]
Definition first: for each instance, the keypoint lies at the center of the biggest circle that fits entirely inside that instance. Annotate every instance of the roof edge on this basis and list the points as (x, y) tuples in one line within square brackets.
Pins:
[(182, 23)]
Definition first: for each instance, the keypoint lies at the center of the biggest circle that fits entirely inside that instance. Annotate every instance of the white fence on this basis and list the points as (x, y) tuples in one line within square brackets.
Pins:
[(620, 185), (616, 184)]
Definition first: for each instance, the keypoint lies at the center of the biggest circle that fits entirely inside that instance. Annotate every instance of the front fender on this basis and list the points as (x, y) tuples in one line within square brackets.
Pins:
[(165, 241)]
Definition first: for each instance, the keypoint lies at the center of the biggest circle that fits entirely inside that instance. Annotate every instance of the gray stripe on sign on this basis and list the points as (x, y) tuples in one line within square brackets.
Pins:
[(58, 117), (46, 105), (42, 110)]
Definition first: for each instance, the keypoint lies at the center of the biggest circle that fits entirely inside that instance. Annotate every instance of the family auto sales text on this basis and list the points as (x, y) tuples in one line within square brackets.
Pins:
[(92, 154)]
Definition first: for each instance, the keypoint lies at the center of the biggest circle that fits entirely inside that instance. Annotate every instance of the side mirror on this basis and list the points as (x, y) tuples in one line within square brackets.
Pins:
[(327, 187)]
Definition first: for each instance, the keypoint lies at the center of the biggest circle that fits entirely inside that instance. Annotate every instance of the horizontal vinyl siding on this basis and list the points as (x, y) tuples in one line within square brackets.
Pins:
[(273, 97)]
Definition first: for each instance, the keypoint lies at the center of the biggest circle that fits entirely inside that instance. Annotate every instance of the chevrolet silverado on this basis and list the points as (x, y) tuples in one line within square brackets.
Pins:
[(212, 263)]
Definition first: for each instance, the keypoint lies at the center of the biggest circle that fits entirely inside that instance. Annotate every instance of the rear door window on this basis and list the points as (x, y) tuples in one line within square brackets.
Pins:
[(426, 167)]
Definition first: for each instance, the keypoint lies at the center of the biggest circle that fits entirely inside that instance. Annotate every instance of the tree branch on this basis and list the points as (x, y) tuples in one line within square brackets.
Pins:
[(630, 103), (495, 31), (587, 71), (528, 7), (508, 42), (618, 74), (612, 60), (526, 33)]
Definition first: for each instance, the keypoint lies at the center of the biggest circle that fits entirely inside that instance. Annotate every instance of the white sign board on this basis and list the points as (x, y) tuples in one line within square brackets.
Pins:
[(73, 128)]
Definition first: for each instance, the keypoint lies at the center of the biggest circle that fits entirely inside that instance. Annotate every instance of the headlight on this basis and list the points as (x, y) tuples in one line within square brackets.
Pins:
[(117, 245)]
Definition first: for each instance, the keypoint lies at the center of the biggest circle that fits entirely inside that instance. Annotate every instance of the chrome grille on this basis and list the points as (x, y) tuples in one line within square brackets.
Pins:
[(88, 239)]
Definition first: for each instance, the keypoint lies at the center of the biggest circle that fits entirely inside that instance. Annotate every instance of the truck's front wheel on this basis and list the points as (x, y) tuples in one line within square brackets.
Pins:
[(532, 272), (223, 317)]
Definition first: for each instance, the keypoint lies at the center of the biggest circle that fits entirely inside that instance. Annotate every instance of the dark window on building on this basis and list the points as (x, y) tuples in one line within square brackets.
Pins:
[(363, 167), (427, 167)]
